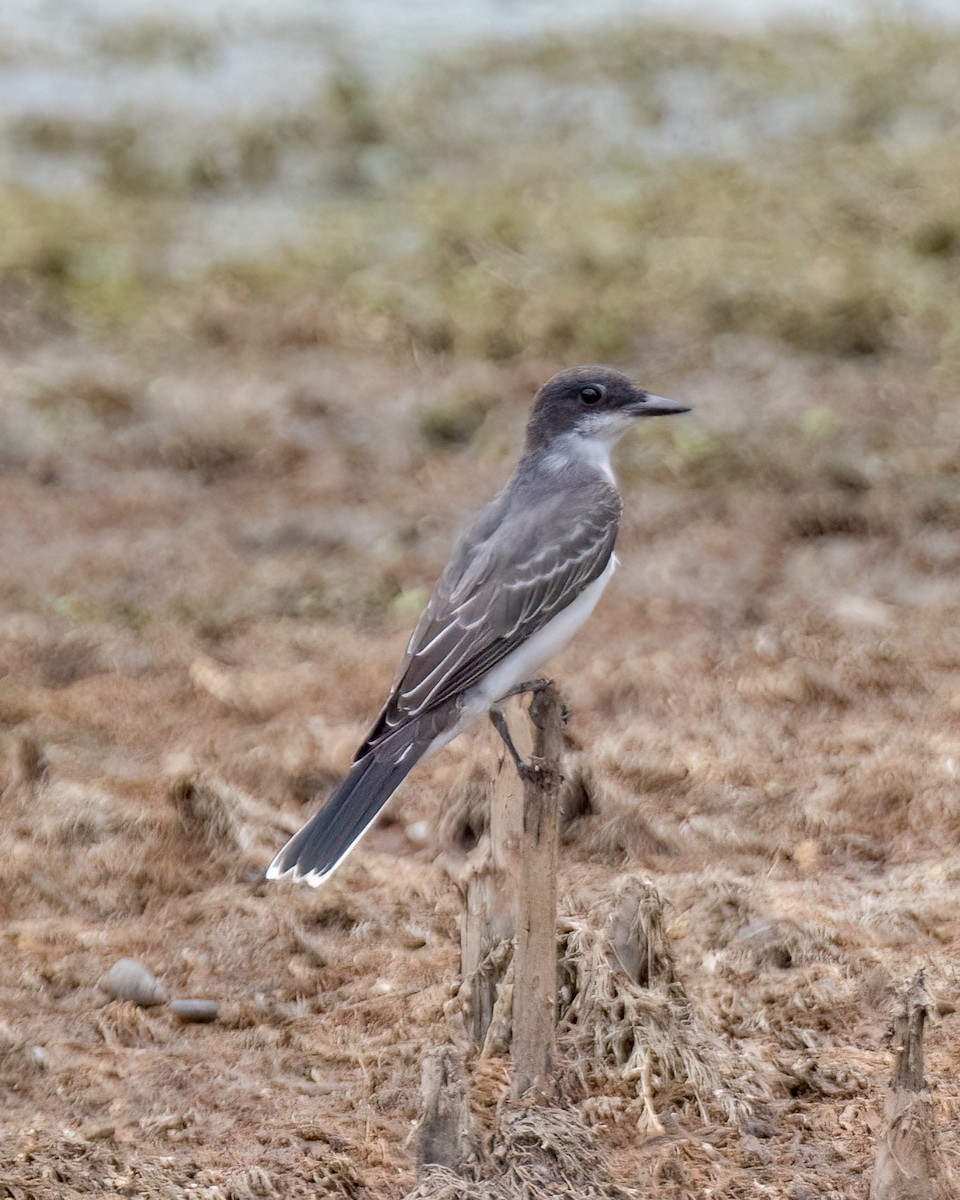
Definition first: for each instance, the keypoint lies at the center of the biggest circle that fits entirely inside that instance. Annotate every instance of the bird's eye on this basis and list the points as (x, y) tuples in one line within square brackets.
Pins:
[(590, 395)]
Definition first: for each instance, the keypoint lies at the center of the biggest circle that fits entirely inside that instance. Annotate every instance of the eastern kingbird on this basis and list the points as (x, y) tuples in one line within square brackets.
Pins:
[(523, 577)]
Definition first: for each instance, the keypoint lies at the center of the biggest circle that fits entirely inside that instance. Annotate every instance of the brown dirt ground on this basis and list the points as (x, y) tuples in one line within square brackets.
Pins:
[(209, 573)]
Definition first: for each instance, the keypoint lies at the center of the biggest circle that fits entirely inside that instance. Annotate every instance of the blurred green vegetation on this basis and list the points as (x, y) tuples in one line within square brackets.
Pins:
[(791, 194), (550, 199), (151, 39)]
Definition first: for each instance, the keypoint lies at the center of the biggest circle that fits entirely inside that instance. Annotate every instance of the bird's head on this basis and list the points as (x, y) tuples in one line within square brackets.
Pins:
[(597, 404)]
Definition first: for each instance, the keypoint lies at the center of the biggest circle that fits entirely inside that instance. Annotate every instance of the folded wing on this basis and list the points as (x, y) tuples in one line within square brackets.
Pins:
[(508, 577)]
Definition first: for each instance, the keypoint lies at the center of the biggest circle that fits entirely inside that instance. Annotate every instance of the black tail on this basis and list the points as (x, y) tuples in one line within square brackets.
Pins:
[(327, 838)]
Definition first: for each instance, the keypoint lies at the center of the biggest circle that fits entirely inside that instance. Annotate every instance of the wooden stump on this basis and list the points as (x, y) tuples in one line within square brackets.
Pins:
[(444, 1132), (488, 886), (907, 1167), (535, 966), (508, 936)]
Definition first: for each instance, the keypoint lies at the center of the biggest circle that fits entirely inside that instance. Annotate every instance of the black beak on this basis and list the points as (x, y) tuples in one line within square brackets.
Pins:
[(648, 405)]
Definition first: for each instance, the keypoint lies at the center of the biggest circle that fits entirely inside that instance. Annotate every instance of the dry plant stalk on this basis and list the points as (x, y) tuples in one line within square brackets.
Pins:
[(907, 1165)]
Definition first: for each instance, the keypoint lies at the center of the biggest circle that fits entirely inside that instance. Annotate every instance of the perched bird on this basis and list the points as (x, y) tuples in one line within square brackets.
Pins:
[(523, 577)]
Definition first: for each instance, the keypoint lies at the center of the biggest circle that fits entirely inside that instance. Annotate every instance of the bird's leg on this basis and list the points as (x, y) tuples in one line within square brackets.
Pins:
[(531, 685), (524, 769), (537, 685), (534, 686)]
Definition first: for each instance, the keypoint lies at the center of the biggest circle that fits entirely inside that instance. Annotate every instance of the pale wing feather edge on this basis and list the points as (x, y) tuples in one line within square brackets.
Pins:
[(474, 609)]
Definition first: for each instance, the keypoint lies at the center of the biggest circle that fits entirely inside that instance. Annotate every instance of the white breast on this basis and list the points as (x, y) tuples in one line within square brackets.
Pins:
[(524, 662)]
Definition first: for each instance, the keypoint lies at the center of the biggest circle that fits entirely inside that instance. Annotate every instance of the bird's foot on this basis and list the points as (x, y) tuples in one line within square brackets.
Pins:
[(529, 772), (530, 685)]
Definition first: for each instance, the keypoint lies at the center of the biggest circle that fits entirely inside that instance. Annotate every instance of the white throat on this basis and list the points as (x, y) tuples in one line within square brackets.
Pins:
[(583, 449)]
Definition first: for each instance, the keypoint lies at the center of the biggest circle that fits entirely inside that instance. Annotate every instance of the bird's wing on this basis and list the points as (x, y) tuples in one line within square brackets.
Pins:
[(510, 574)]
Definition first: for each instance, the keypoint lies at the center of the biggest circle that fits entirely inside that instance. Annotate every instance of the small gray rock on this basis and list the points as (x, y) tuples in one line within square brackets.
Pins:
[(128, 979), (201, 1012)]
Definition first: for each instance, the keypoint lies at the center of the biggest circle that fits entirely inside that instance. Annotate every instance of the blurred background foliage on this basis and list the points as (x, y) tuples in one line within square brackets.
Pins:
[(768, 219), (559, 196)]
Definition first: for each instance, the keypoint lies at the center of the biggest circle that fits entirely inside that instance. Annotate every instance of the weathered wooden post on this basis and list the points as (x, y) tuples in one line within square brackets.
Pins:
[(488, 885), (537, 808), (444, 1133), (907, 1166), (509, 889), (509, 885)]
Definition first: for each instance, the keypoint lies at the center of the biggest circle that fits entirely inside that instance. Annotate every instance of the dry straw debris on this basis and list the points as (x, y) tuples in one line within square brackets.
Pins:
[(538, 1152), (627, 1022), (226, 480)]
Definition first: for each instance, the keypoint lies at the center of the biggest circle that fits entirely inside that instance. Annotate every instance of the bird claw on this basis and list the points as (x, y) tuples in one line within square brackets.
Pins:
[(531, 687), (529, 772)]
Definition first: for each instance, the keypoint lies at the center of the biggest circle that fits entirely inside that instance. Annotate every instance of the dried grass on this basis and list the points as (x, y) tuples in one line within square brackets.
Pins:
[(607, 813), (537, 1152), (627, 1023), (249, 470)]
